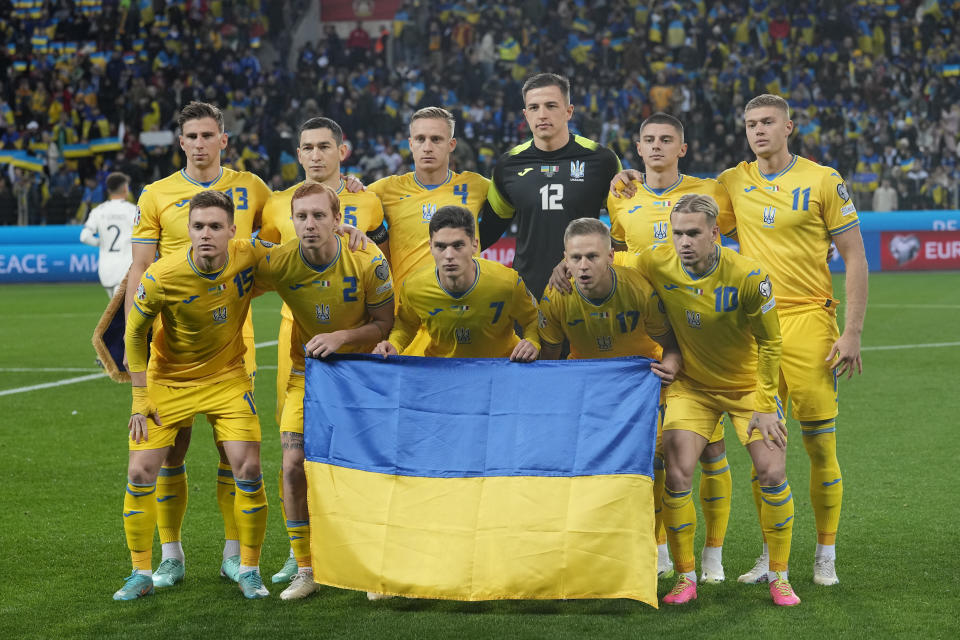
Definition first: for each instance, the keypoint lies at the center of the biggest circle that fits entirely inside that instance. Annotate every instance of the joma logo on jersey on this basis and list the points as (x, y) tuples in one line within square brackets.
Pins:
[(660, 230), (463, 335), (577, 169), (769, 215), (323, 313), (219, 315), (604, 343), (693, 318), (182, 202), (428, 211)]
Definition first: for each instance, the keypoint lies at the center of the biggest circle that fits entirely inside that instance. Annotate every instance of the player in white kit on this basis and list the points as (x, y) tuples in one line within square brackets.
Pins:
[(110, 226)]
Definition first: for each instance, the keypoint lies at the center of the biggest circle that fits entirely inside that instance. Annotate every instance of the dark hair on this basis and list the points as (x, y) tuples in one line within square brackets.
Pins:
[(453, 217), (116, 182), (321, 123), (547, 80), (663, 118), (310, 188), (211, 198), (198, 110)]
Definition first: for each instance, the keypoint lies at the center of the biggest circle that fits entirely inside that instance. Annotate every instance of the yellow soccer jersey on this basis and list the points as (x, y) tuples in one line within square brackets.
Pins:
[(200, 339), (644, 219), (408, 206), (327, 298), (476, 324), (162, 209), (619, 325), (362, 210), (786, 221), (720, 319)]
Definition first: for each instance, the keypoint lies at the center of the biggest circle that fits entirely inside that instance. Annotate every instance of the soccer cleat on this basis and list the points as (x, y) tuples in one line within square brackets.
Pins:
[(711, 572), (301, 586), (824, 572), (683, 592), (664, 570), (169, 573), (782, 592), (251, 584), (287, 572), (758, 574), (230, 568), (377, 596), (136, 586)]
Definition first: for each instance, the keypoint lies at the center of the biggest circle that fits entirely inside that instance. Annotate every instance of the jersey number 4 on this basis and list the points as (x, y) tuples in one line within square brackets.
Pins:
[(551, 197)]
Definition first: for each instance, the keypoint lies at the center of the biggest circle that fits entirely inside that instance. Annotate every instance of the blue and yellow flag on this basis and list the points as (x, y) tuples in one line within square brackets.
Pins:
[(477, 479)]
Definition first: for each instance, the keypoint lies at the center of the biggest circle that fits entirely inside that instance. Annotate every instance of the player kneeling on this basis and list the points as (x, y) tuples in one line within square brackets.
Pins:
[(202, 296)]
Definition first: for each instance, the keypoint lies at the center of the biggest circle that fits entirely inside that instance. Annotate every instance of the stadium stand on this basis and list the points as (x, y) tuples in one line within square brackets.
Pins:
[(92, 86)]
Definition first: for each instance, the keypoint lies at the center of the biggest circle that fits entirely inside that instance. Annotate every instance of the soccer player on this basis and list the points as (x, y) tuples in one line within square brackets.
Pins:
[(544, 183), (320, 150), (411, 200), (466, 305), (161, 229), (341, 301), (109, 226), (788, 210), (202, 293), (722, 310), (642, 220)]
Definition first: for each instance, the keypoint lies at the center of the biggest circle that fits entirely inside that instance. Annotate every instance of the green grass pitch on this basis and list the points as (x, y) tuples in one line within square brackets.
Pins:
[(63, 452)]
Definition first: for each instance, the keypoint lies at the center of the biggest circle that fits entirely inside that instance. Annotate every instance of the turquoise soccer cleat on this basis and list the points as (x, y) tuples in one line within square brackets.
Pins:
[(251, 584), (136, 586), (169, 573)]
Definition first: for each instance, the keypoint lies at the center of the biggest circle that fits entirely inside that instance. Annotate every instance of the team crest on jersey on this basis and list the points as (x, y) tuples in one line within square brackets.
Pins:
[(660, 230), (577, 169), (219, 315), (136, 218), (693, 318), (549, 170), (769, 215), (323, 313), (428, 211), (382, 271), (842, 192), (604, 343), (463, 335), (766, 288), (141, 293)]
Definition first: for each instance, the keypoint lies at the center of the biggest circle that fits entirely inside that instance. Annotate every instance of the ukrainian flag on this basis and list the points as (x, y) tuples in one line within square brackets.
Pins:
[(76, 150), (100, 145), (582, 25), (390, 107), (22, 159), (437, 478), (951, 70)]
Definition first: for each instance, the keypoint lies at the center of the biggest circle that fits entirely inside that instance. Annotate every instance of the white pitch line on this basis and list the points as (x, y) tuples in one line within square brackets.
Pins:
[(928, 345), (42, 369), (268, 343), (48, 385)]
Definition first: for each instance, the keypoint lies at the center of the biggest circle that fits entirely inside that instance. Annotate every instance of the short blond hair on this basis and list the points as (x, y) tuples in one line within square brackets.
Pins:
[(311, 188), (435, 113), (768, 100), (697, 203), (587, 227)]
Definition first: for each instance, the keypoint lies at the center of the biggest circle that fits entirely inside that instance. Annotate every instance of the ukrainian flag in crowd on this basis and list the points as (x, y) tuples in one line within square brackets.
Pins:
[(476, 479), (951, 70), (22, 159), (390, 106)]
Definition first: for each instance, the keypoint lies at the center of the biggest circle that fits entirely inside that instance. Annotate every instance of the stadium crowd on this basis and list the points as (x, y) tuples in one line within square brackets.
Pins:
[(874, 86)]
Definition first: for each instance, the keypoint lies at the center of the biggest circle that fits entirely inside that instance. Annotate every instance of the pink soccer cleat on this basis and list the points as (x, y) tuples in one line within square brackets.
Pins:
[(782, 593), (683, 592)]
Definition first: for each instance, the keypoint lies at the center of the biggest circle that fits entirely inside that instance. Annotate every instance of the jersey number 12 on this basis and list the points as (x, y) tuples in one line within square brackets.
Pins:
[(551, 197)]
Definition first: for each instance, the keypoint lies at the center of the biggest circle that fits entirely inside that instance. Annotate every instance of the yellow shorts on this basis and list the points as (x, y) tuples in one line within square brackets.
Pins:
[(250, 357), (806, 378), (716, 436), (228, 405), (699, 411), (292, 418), (284, 361)]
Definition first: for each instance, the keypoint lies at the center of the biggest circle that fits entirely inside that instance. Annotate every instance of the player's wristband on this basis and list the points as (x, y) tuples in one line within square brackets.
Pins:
[(141, 401)]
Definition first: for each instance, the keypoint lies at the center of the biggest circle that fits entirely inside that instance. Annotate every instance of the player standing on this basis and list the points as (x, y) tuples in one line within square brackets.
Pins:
[(320, 150), (202, 294), (788, 210), (341, 301), (109, 226), (721, 307), (161, 229), (467, 306), (544, 183)]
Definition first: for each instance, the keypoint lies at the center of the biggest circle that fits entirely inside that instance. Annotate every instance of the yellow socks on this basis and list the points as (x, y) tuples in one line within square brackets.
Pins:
[(172, 494), (826, 483), (299, 534), (250, 511), (716, 487), (139, 521), (226, 492), (659, 475), (776, 518), (680, 518)]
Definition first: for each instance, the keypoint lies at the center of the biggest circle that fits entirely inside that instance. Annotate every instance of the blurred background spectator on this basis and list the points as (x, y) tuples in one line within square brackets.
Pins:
[(93, 86)]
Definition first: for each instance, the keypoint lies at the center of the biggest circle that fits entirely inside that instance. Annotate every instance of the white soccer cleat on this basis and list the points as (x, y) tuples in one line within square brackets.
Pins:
[(664, 569), (824, 572), (377, 596), (711, 571), (300, 587), (758, 574)]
